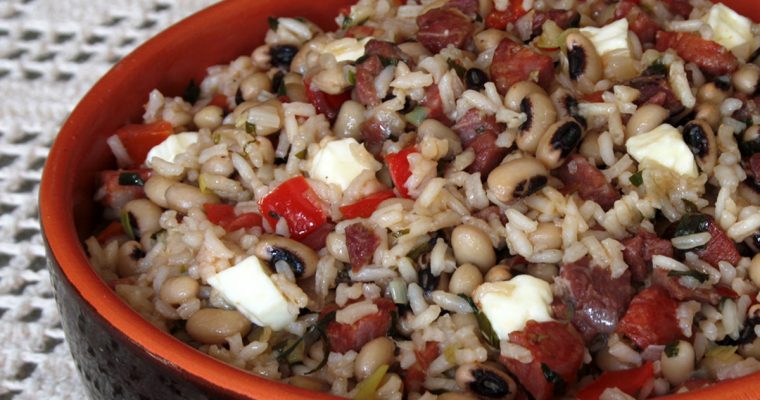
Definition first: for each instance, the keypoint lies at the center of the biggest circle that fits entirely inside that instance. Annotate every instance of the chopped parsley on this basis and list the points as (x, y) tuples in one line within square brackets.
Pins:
[(671, 350), (130, 179), (460, 70), (701, 277), (553, 378), (273, 23), (483, 323), (192, 92), (250, 127), (637, 179)]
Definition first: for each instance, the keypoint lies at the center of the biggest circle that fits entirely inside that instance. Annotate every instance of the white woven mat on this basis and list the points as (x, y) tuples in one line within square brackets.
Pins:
[(51, 52)]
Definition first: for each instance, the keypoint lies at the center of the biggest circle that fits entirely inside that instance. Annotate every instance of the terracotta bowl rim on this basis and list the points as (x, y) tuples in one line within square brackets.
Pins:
[(67, 251)]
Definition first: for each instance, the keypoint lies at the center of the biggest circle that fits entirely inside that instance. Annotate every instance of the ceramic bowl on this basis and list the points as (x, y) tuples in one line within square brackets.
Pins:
[(119, 354)]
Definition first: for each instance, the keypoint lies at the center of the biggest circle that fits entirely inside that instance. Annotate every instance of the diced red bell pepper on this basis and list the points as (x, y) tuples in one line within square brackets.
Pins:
[(500, 19), (594, 97), (415, 375), (398, 165), (224, 216), (111, 231), (297, 202), (219, 100), (139, 139), (651, 318), (327, 104), (346, 337), (360, 31), (629, 381), (366, 206)]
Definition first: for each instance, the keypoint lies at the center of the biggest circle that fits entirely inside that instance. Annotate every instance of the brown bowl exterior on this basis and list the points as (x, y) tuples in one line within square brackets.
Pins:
[(119, 354)]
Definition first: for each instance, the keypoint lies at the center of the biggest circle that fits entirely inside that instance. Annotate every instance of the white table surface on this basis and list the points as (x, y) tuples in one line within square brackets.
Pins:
[(51, 53)]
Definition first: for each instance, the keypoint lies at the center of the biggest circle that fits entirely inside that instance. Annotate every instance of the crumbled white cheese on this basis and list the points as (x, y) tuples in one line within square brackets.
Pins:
[(665, 146), (729, 28), (340, 161), (611, 38), (247, 286), (509, 305), (346, 49), (173, 146)]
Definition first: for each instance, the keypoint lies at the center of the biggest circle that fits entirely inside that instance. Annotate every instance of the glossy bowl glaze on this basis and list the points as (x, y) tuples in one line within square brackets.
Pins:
[(119, 354)]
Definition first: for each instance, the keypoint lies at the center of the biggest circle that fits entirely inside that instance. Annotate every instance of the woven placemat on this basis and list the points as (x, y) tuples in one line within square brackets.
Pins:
[(51, 52)]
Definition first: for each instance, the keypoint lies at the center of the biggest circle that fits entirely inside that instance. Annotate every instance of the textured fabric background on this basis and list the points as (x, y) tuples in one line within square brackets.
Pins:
[(51, 53)]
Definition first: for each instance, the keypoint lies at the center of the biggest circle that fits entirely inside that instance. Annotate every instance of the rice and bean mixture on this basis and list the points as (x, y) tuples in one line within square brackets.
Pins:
[(456, 199)]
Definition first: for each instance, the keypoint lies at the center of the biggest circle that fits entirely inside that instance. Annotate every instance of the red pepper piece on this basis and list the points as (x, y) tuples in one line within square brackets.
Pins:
[(297, 202), (398, 165), (629, 381), (139, 139), (366, 206)]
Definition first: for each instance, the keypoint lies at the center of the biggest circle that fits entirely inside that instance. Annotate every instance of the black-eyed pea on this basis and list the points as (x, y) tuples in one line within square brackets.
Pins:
[(754, 270), (301, 258), (746, 78), (155, 189), (377, 352), (209, 117), (559, 141), (128, 264), (517, 178), (182, 197), (709, 113), (713, 92), (472, 245), (218, 165), (253, 85), (434, 128), (540, 115), (700, 138), (143, 216), (488, 39), (294, 87), (590, 148), (582, 59), (520, 91), (677, 362), (465, 279), (498, 273), (646, 118), (486, 380), (213, 325), (178, 290), (546, 236), (349, 121), (414, 49)]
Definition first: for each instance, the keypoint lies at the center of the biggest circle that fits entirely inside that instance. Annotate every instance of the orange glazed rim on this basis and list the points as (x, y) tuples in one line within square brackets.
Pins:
[(58, 198)]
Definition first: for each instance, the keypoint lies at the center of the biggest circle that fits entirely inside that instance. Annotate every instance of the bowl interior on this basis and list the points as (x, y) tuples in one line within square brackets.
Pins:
[(167, 62)]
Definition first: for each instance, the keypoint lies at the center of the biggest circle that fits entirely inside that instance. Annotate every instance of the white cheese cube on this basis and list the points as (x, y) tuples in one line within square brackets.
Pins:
[(173, 146), (611, 38), (346, 49), (247, 286), (729, 28), (665, 146), (509, 305), (340, 161)]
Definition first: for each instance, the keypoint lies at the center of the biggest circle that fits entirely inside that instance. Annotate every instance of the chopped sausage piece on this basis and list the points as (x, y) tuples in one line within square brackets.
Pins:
[(680, 7), (641, 23), (639, 250), (487, 154), (441, 27), (513, 62), (651, 318), (473, 123), (491, 212), (680, 292), (374, 133), (710, 57), (655, 90), (361, 242), (366, 72), (432, 101), (753, 165), (564, 19), (557, 351), (115, 195), (719, 248), (346, 337), (594, 299), (581, 176), (318, 238), (377, 54), (415, 375)]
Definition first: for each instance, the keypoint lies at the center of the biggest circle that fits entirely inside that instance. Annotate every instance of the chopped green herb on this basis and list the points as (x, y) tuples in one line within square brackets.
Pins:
[(420, 250), (702, 278), (460, 70), (278, 83), (671, 350), (301, 155), (351, 77), (126, 222), (250, 127), (691, 224), (312, 335), (483, 323), (130, 179), (217, 137), (386, 61), (691, 208), (397, 289), (656, 68), (192, 92), (362, 59), (347, 22), (553, 378), (416, 116), (637, 179), (273, 23), (400, 233)]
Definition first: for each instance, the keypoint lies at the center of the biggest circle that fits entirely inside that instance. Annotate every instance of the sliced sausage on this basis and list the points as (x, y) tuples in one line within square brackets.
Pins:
[(710, 57), (345, 337), (656, 90), (641, 23), (556, 348), (487, 154), (361, 242), (598, 301), (513, 62), (651, 318), (374, 133), (473, 123), (639, 250), (581, 176), (366, 72), (719, 248), (564, 19), (467, 7), (441, 27), (414, 376), (432, 101), (680, 292)]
